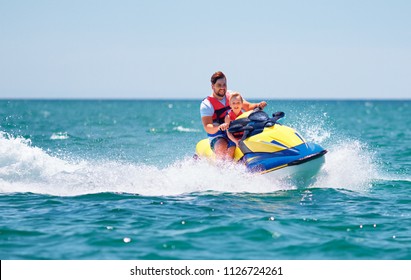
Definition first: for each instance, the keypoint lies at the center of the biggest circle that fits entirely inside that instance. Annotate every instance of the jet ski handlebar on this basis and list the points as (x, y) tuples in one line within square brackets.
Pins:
[(254, 123)]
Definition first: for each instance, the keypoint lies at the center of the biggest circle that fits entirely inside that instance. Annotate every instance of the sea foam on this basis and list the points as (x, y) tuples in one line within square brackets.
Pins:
[(349, 165), (26, 168)]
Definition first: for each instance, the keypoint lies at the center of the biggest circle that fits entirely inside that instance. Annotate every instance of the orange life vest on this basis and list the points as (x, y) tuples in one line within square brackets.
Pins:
[(219, 109), (232, 115)]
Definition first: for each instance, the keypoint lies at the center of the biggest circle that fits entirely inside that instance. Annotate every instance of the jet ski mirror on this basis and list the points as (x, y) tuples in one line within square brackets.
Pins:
[(278, 115)]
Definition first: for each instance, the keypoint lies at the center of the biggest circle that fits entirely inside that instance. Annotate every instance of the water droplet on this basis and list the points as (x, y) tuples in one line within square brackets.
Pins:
[(127, 239), (275, 235)]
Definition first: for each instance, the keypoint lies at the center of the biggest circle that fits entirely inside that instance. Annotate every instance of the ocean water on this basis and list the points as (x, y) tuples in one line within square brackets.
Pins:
[(115, 179)]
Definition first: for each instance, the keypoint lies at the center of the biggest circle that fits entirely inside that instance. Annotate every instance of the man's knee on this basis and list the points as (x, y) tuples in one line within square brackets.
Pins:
[(220, 146)]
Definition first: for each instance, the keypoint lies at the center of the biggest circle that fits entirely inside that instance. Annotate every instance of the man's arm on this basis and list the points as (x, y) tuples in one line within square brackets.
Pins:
[(206, 111), (208, 125)]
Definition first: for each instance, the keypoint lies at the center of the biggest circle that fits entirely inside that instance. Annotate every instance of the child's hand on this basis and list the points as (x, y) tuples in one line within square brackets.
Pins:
[(223, 126), (262, 104)]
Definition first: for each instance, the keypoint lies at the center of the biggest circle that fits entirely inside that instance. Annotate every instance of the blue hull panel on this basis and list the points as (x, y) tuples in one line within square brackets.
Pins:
[(258, 162)]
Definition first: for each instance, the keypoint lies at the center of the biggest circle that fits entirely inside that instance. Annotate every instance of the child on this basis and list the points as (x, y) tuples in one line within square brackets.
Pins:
[(236, 104)]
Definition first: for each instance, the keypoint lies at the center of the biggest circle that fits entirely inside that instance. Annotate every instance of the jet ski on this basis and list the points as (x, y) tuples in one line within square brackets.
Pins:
[(270, 148)]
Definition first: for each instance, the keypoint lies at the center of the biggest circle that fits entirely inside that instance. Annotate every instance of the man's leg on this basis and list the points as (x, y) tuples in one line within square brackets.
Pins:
[(220, 148), (230, 150), (230, 153)]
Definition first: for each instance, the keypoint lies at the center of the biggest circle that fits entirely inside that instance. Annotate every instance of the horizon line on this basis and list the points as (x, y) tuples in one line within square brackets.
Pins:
[(191, 99)]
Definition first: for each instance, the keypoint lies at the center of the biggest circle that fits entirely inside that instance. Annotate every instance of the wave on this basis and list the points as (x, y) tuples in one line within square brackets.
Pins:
[(26, 168), (59, 136), (178, 129), (185, 129), (349, 165)]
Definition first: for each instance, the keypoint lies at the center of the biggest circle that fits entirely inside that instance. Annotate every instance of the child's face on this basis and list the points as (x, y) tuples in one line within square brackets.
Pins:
[(236, 104)]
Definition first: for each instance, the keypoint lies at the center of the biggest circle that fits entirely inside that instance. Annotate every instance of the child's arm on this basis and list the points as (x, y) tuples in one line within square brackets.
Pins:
[(227, 119), (247, 106), (226, 123), (232, 138)]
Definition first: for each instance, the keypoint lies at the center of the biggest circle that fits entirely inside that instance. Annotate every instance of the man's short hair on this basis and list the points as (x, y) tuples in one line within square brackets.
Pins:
[(216, 76)]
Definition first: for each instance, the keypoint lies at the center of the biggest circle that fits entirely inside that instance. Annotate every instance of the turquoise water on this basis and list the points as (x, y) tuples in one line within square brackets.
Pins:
[(115, 180)]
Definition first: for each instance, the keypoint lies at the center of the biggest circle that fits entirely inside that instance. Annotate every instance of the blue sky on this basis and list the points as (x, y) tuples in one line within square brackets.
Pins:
[(169, 49)]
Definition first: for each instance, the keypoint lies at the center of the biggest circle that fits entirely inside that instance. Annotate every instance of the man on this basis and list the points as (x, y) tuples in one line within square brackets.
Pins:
[(213, 110)]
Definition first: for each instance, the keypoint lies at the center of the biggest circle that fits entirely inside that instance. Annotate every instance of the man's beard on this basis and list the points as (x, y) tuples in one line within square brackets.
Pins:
[(220, 94)]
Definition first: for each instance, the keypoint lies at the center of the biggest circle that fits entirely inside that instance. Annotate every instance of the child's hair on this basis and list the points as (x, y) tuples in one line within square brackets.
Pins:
[(236, 94)]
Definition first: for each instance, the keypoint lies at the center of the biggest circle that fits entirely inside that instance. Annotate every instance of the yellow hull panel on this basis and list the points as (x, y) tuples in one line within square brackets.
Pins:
[(272, 139)]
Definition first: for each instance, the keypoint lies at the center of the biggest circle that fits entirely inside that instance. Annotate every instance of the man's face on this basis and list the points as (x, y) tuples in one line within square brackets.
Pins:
[(219, 88)]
